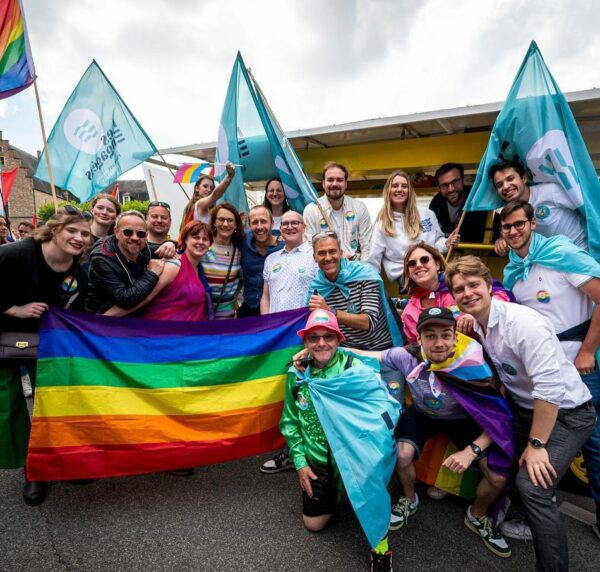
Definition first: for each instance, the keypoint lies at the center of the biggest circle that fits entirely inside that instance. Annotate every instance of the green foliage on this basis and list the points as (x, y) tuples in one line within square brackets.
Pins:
[(47, 210)]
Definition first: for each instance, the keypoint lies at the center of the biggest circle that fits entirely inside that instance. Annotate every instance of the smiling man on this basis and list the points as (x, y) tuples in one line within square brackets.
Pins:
[(554, 213), (121, 271), (553, 410), (458, 397), (562, 282), (288, 272), (349, 217), (259, 243), (448, 204)]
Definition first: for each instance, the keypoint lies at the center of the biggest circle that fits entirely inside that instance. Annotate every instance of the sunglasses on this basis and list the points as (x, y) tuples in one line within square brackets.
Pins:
[(314, 338), (414, 261), (159, 204), (129, 232), (74, 211)]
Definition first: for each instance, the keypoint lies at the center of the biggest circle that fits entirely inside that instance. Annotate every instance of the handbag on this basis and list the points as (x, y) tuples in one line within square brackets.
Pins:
[(19, 345)]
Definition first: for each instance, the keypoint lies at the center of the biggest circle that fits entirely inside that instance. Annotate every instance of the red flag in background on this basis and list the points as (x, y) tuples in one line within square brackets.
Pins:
[(115, 192), (8, 178)]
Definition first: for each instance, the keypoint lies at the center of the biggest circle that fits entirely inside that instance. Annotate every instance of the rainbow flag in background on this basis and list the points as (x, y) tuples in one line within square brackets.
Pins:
[(16, 64), (119, 396), (191, 172)]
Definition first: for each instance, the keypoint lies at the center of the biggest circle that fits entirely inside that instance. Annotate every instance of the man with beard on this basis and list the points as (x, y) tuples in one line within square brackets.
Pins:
[(349, 217)]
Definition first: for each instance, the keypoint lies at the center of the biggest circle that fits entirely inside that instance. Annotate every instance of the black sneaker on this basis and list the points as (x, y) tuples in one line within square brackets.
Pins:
[(280, 462), (381, 562)]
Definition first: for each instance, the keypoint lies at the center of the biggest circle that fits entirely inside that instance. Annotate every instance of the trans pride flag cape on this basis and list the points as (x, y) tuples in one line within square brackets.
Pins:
[(119, 396)]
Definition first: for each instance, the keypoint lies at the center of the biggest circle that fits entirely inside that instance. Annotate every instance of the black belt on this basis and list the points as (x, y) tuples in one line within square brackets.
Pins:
[(587, 405), (576, 333)]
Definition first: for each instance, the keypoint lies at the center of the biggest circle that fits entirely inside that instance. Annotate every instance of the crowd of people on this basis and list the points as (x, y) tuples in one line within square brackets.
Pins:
[(508, 370)]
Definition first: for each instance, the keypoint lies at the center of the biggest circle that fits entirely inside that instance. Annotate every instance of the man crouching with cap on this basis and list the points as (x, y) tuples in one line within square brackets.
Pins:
[(332, 400), (454, 392)]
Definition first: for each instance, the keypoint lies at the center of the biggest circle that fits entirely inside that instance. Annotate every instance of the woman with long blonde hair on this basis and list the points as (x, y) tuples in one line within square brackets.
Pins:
[(400, 223)]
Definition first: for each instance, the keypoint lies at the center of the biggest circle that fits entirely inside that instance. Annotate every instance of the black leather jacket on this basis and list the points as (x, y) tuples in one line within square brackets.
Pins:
[(113, 280)]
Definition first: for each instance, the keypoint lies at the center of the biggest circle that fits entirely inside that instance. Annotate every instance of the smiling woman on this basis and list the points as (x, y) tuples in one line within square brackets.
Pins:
[(399, 224), (44, 271)]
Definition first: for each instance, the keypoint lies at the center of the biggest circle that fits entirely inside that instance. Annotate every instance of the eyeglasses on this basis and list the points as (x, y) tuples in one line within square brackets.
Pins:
[(414, 261), (293, 223), (159, 204), (222, 220), (453, 183), (129, 232), (70, 209), (324, 234), (314, 338), (519, 225)]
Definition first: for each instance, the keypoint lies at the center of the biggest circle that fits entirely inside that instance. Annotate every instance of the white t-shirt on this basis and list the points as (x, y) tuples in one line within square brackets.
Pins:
[(555, 214), (556, 296), (529, 358), (390, 250), (289, 275)]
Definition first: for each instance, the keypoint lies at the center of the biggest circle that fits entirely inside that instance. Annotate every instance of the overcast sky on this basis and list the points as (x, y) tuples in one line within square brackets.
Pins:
[(319, 62)]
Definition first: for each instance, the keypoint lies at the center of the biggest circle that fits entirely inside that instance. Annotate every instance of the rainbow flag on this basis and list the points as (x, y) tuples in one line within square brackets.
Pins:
[(16, 64), (119, 396), (191, 172)]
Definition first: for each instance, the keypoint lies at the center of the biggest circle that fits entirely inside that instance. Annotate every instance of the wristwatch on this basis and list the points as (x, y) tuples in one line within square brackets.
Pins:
[(476, 449), (536, 443)]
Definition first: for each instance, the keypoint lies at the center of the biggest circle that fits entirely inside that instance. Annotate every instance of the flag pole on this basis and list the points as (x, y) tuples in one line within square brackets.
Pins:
[(296, 160), (152, 185), (46, 150), (457, 229), (172, 173)]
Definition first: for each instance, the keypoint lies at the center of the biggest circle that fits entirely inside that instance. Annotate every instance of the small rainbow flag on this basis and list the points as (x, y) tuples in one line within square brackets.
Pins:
[(119, 396), (191, 172), (16, 64)]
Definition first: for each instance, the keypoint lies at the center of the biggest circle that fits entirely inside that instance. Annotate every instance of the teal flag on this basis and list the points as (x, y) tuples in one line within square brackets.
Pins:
[(95, 139), (537, 127), (250, 136)]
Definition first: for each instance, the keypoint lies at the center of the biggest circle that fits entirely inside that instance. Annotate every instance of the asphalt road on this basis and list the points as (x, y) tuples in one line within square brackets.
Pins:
[(231, 517)]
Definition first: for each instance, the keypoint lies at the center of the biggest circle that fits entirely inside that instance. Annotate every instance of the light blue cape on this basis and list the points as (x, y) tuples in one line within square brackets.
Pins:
[(358, 416)]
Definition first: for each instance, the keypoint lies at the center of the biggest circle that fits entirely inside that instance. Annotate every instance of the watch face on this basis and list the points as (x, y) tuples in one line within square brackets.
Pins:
[(536, 443)]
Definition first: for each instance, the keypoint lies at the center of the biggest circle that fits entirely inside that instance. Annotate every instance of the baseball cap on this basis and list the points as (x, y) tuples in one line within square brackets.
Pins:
[(443, 316), (322, 319)]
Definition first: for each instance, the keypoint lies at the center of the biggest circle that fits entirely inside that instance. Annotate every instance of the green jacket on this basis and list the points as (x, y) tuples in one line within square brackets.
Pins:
[(300, 425)]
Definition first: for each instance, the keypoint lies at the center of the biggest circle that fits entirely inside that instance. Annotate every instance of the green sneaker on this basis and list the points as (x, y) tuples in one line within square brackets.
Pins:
[(401, 511), (492, 539)]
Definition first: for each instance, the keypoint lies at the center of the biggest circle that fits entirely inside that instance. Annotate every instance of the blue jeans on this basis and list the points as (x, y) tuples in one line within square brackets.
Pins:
[(591, 449)]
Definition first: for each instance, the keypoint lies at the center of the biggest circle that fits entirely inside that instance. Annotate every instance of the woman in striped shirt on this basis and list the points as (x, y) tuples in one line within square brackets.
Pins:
[(223, 261)]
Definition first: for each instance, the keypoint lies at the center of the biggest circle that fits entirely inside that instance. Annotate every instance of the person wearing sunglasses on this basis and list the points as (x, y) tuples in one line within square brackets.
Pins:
[(399, 224), (44, 271), (333, 394), (423, 279), (122, 271)]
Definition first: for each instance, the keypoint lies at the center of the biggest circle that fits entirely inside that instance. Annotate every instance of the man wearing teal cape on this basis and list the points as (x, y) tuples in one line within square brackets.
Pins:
[(338, 420), (562, 282)]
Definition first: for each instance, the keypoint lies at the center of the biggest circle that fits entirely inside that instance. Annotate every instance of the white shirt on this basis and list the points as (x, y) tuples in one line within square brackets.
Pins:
[(352, 224), (289, 274), (555, 214), (556, 296), (529, 358), (391, 249)]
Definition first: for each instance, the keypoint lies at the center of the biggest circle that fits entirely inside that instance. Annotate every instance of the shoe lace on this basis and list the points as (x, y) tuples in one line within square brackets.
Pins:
[(279, 458)]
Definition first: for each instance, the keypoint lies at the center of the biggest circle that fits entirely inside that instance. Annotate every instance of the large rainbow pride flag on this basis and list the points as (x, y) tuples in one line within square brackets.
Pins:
[(16, 64), (119, 396)]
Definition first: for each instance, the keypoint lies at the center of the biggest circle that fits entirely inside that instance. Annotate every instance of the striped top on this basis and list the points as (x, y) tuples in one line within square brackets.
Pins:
[(215, 264), (364, 299)]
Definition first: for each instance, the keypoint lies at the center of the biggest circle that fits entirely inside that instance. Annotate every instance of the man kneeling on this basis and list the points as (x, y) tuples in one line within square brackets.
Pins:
[(453, 392), (327, 409)]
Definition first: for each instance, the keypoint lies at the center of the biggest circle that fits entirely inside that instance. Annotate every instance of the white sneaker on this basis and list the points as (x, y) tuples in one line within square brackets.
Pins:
[(26, 384), (516, 529)]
